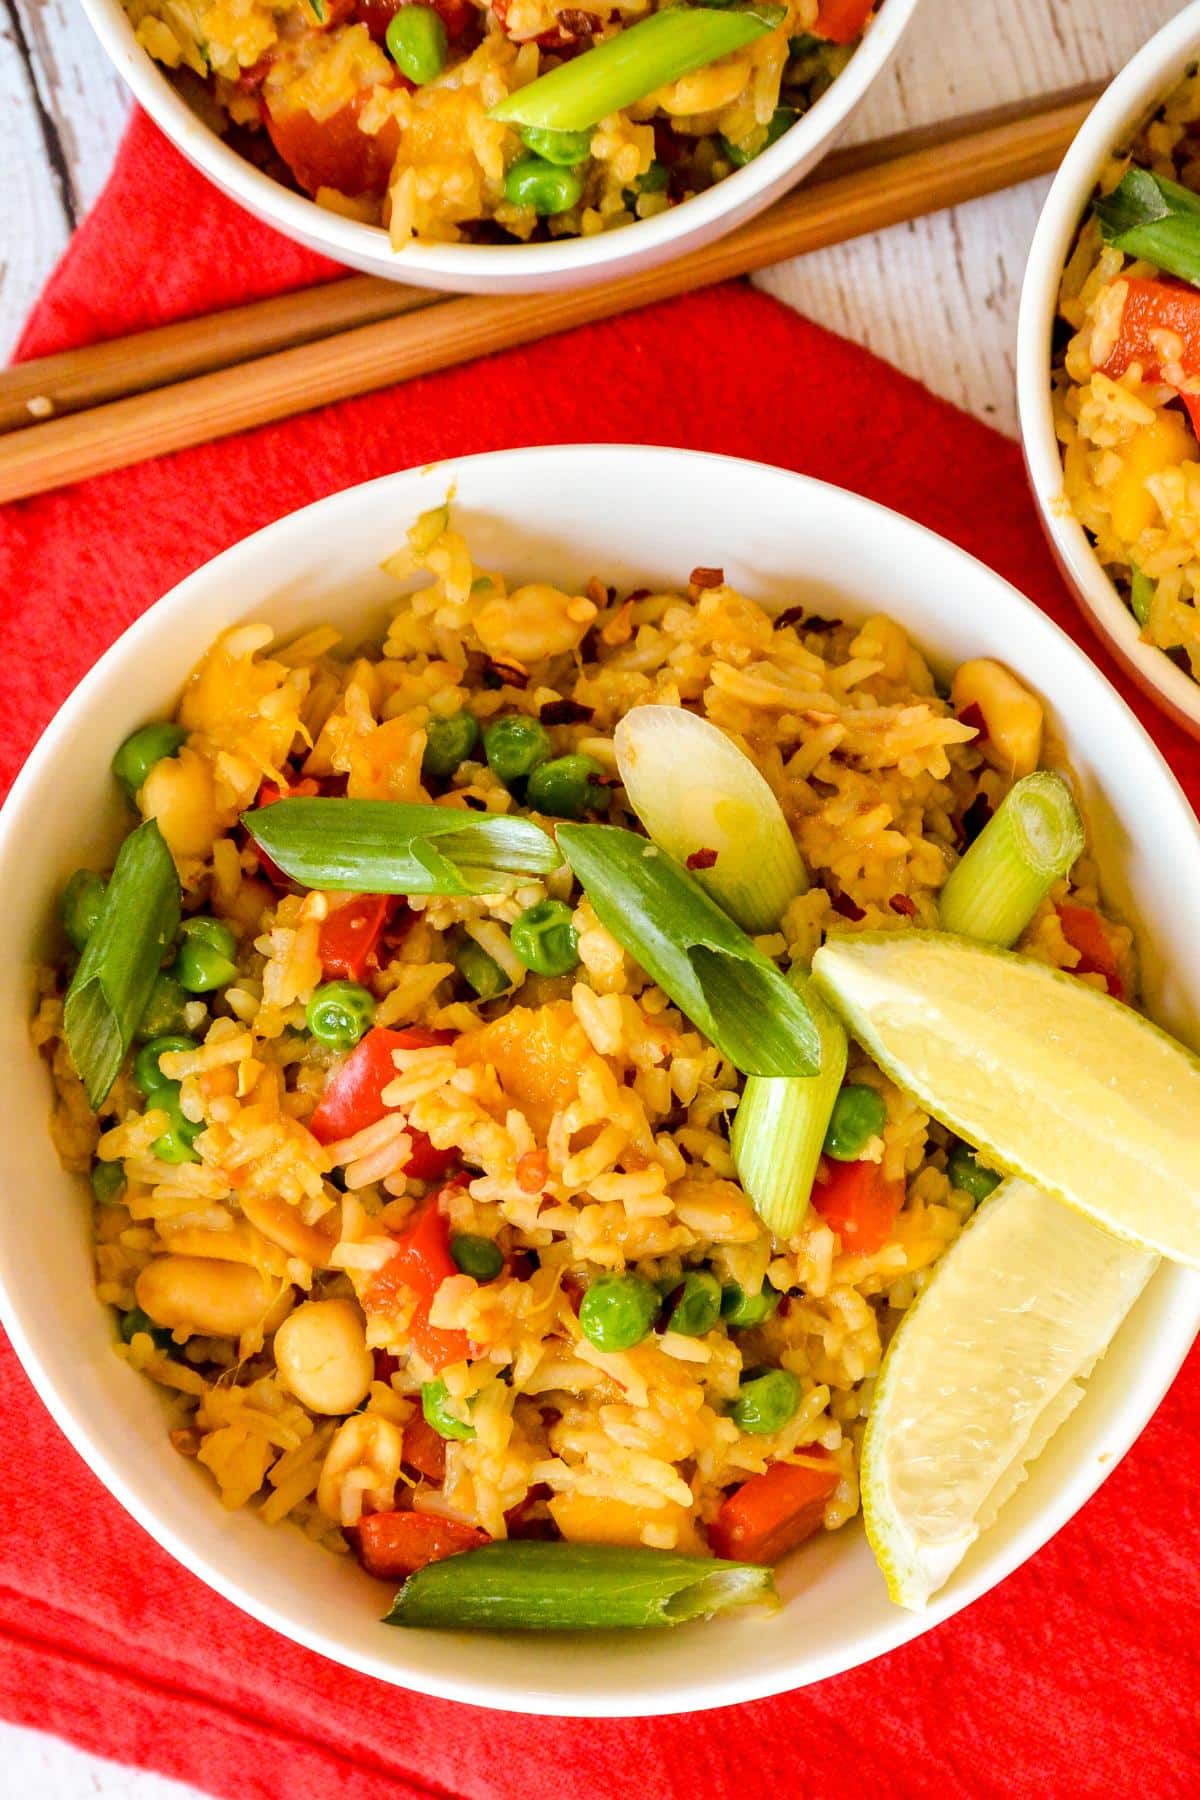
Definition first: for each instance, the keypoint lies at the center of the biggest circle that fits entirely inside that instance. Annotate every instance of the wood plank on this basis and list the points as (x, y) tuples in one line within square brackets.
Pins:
[(83, 97), (34, 224), (939, 297)]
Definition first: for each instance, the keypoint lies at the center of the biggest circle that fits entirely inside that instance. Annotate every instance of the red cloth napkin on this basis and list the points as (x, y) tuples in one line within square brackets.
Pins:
[(1077, 1677)]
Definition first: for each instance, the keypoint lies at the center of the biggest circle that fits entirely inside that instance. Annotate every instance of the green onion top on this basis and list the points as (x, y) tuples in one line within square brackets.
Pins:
[(1029, 844), (392, 847), (633, 63), (694, 951), (523, 1585), (1151, 217), (125, 949)]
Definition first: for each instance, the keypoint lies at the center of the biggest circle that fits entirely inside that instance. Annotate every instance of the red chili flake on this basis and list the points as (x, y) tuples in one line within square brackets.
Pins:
[(706, 578), (474, 802), (900, 903), (574, 1290), (565, 712), (639, 593), (971, 715), (845, 907), (532, 1171), (818, 624), (791, 615), (701, 859), (670, 146), (975, 818)]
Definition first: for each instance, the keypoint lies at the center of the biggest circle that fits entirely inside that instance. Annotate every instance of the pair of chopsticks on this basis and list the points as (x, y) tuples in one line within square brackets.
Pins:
[(83, 412)]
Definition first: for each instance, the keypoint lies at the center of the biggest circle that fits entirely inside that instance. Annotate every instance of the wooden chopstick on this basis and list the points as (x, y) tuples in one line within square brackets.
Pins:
[(877, 186)]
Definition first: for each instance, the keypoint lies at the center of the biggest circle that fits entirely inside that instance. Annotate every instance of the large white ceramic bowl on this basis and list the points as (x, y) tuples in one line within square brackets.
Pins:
[(635, 517), (495, 268), (1125, 103)]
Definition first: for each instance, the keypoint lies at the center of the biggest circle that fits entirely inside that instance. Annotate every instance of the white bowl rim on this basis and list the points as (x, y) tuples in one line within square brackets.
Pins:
[(1131, 93), (724, 1687), (352, 242)]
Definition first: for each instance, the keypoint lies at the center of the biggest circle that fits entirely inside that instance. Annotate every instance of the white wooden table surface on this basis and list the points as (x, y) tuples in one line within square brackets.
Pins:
[(938, 298)]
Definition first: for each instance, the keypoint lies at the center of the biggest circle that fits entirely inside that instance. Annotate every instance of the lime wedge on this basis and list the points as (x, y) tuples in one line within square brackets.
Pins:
[(1050, 1078), (983, 1369)]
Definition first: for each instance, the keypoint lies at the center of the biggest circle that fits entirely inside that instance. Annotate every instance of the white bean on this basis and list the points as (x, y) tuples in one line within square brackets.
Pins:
[(322, 1357), (216, 1299), (361, 1468)]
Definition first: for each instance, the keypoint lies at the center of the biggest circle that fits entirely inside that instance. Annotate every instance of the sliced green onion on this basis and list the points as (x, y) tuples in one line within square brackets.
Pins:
[(779, 1130), (627, 67), (116, 973), (392, 847), (1151, 217), (694, 951), (704, 802), (1029, 843), (1141, 594), (528, 1586)]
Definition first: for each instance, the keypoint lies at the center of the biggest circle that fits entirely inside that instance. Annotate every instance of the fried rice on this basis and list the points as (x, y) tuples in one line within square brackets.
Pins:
[(590, 1119), (307, 89)]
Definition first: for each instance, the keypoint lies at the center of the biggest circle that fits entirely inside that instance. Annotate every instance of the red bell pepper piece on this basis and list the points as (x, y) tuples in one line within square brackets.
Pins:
[(773, 1512), (350, 933), (420, 1265), (1152, 306), (842, 21), (353, 1097), (424, 1450), (858, 1203), (1085, 931), (334, 152), (393, 1545)]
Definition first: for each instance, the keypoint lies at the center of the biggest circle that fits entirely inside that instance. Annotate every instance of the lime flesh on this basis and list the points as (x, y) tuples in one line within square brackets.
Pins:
[(1049, 1077), (981, 1372)]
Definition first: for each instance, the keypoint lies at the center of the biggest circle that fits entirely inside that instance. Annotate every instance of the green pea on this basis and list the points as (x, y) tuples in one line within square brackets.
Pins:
[(339, 1012), (80, 905), (545, 939), (416, 41), (435, 1404), (618, 1310), (205, 959), (108, 1181), (175, 1144), (655, 180), (448, 742), (136, 1320), (477, 1256), (859, 1114), (567, 787), (479, 970), (514, 746), (695, 1306), (146, 1070), (562, 148), (782, 119), (766, 1402), (142, 749), (544, 186), (968, 1173), (741, 1310), (164, 1012)]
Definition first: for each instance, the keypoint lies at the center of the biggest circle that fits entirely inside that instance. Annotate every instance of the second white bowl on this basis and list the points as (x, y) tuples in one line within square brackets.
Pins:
[(507, 268)]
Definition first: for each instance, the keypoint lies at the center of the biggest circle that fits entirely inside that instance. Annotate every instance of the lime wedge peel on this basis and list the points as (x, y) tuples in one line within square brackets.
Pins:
[(1048, 1077), (983, 1369)]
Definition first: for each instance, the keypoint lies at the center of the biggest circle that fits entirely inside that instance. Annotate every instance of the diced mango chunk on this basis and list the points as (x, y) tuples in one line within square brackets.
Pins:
[(1153, 447)]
